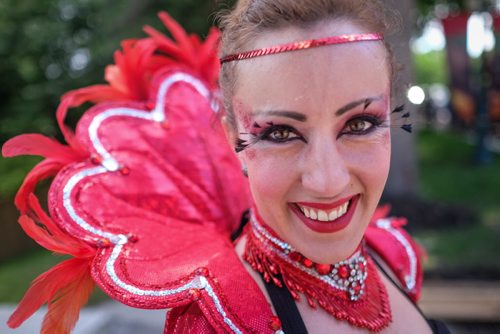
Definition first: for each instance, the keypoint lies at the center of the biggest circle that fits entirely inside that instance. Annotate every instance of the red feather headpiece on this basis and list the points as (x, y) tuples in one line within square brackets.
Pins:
[(145, 193)]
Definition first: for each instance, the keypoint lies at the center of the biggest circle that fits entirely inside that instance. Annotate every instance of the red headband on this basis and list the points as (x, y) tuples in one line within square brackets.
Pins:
[(312, 43)]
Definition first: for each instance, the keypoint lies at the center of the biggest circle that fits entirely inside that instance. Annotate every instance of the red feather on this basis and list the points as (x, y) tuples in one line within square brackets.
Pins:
[(36, 144), (48, 235), (188, 49), (66, 287), (180, 36), (128, 80)]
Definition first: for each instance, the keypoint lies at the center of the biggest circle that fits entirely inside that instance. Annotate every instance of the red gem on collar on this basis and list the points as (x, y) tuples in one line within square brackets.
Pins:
[(275, 323), (349, 290), (323, 269)]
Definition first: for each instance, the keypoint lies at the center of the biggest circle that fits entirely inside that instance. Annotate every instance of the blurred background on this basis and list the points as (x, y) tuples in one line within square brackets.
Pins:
[(445, 177)]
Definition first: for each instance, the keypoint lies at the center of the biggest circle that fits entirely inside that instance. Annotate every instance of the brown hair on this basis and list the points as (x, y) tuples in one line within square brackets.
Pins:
[(251, 17)]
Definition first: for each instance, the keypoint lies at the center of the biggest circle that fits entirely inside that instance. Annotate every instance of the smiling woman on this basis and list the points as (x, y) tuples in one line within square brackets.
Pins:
[(306, 86), (307, 91), (336, 146)]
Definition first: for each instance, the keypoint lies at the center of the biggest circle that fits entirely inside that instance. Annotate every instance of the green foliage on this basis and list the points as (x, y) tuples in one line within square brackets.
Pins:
[(463, 249), (17, 274), (13, 172), (50, 47), (430, 68), (448, 173)]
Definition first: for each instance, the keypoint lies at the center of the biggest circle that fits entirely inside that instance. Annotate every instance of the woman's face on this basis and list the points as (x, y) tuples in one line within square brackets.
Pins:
[(314, 126)]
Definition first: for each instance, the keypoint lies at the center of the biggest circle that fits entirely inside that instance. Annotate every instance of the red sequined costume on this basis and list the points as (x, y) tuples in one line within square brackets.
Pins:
[(146, 193)]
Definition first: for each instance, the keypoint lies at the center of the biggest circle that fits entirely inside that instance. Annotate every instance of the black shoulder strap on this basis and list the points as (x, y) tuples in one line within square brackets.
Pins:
[(284, 304)]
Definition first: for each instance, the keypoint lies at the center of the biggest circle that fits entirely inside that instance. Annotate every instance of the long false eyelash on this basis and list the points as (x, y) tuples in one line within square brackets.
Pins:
[(241, 144), (406, 126), (398, 109)]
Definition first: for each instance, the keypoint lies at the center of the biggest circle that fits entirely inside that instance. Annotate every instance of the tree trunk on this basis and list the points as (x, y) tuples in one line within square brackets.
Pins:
[(403, 175)]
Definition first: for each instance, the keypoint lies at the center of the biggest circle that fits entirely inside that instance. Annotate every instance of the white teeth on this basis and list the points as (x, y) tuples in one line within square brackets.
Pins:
[(324, 216), (344, 209), (333, 215), (306, 212)]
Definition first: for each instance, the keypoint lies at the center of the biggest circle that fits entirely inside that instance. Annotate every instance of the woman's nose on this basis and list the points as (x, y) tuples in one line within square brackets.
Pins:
[(325, 172)]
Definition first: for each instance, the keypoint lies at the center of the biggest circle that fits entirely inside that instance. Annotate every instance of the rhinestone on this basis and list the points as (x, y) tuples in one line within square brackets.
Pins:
[(323, 269), (307, 263), (343, 272), (295, 256)]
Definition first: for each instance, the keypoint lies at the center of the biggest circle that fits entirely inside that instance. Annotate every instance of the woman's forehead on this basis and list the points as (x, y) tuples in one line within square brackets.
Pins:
[(346, 69), (325, 75)]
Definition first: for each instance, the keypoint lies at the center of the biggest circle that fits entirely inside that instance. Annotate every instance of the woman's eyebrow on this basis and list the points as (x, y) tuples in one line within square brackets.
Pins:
[(351, 105), (284, 113), (302, 118)]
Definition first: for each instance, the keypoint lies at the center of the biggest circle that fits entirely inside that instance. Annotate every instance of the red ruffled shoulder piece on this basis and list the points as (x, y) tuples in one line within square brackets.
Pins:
[(187, 320), (146, 193), (386, 236)]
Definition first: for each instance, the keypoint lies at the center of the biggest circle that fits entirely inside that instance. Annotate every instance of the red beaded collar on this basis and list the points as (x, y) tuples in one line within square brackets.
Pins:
[(302, 45), (349, 290)]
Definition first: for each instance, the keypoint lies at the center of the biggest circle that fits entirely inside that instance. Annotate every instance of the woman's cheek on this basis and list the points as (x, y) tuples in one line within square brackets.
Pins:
[(267, 175), (250, 154)]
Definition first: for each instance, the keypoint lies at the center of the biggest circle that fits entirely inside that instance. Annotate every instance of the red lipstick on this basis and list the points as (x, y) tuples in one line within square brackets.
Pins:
[(326, 206), (327, 226)]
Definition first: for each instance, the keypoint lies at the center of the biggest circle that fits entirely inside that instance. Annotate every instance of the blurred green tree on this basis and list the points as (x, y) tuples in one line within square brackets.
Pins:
[(50, 47)]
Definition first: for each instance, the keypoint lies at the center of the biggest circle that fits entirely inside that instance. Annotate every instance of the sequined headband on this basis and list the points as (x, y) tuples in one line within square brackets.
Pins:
[(302, 45)]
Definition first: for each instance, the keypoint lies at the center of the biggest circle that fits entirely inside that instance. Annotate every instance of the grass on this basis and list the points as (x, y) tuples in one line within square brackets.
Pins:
[(449, 175), (448, 172), (13, 171), (16, 275)]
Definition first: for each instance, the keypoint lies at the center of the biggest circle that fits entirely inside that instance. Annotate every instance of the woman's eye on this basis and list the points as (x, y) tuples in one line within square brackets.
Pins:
[(359, 125), (280, 135)]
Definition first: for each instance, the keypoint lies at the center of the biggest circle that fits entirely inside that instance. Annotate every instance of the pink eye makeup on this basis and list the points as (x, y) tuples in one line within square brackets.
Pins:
[(361, 124), (271, 132)]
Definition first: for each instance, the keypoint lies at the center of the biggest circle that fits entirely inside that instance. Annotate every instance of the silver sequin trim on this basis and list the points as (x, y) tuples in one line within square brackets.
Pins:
[(158, 113), (261, 230), (109, 164), (68, 189), (410, 280), (263, 235)]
